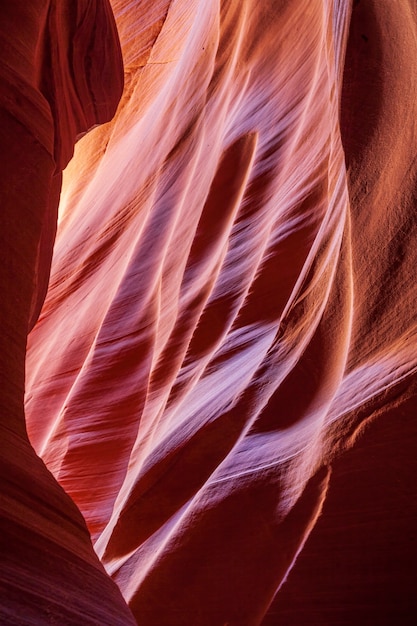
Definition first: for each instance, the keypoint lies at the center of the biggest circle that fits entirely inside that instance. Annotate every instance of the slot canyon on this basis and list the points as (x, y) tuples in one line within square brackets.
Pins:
[(208, 355)]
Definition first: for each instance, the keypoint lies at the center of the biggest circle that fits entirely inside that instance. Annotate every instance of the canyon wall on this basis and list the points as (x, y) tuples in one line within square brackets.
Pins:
[(49, 573), (231, 306)]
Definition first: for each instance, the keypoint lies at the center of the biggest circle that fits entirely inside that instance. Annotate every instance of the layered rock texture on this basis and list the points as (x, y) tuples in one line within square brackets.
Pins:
[(232, 303)]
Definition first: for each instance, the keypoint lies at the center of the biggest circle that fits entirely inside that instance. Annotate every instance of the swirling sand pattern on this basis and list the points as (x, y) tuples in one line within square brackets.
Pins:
[(223, 315)]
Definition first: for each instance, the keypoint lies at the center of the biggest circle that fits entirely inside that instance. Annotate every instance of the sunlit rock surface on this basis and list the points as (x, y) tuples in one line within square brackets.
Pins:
[(232, 297)]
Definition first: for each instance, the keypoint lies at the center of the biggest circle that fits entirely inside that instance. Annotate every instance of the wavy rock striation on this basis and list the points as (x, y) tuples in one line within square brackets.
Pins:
[(231, 294)]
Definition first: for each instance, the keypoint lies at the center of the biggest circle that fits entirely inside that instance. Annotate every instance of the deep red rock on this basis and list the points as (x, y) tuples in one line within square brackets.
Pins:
[(49, 573)]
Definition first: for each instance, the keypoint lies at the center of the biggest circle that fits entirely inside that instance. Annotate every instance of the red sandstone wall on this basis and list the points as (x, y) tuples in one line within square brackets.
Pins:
[(49, 93), (231, 299)]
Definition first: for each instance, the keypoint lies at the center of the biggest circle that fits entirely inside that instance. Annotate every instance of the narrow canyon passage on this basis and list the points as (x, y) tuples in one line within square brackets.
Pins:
[(220, 377)]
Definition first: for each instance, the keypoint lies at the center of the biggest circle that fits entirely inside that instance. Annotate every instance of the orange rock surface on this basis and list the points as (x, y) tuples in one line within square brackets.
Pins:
[(231, 300)]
